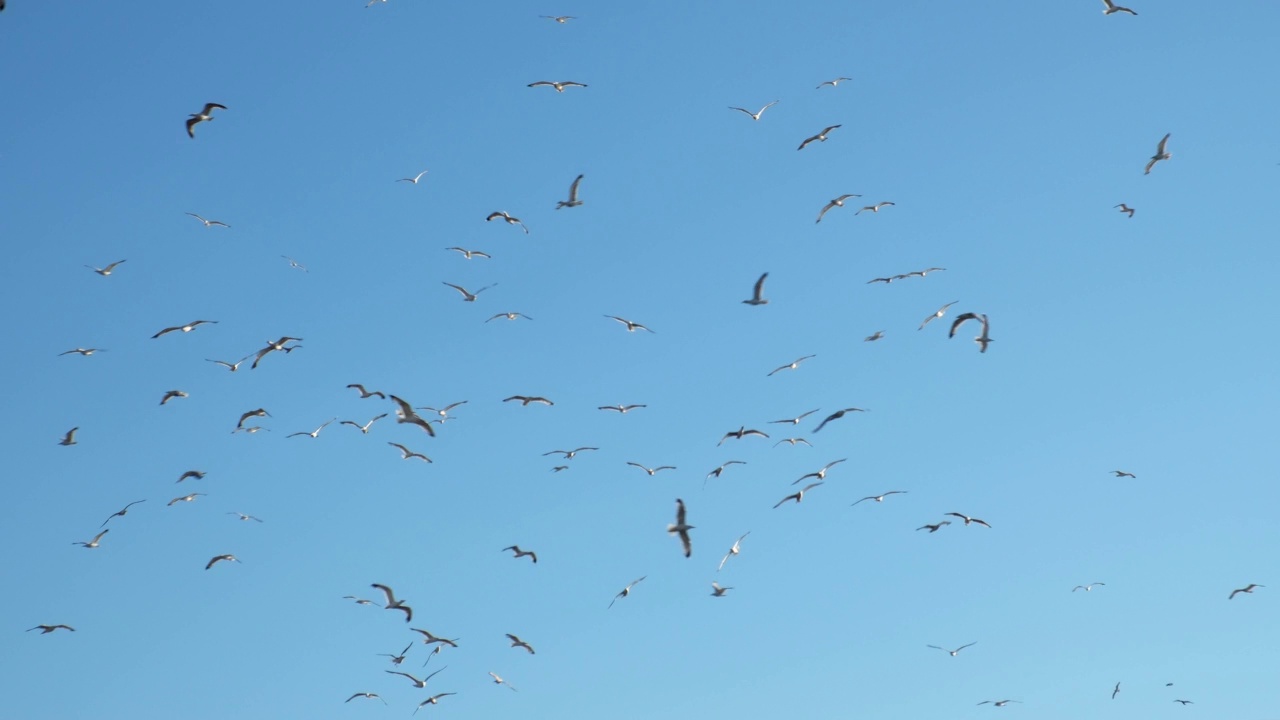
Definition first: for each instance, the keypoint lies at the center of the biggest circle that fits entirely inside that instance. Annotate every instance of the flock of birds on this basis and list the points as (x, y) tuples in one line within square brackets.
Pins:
[(426, 418)]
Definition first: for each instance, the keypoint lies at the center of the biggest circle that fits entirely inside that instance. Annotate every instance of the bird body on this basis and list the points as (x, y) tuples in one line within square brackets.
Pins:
[(797, 496), (631, 326), (681, 527), (717, 591), (874, 208), (314, 433), (364, 429), (740, 433), (46, 629), (209, 223), (880, 498), (94, 542), (757, 294), (652, 471), (968, 520), (791, 365), (526, 399), (406, 453), (468, 254), (466, 295), (937, 314), (955, 652), (832, 83), (626, 590), (70, 437), (171, 395), (621, 409), (185, 498), (735, 550)]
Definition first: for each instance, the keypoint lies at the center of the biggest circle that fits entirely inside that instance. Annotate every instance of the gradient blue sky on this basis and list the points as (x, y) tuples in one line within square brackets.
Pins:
[(1004, 132)]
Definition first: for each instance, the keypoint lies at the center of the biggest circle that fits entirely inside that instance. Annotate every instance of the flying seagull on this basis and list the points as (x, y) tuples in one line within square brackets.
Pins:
[(361, 601), (836, 202), (999, 703), (792, 442), (874, 336), (1184, 702), (444, 411), (192, 474), (273, 346), (1122, 473), (105, 271), (209, 223), (934, 528), (260, 412), (1125, 209), (366, 393), (184, 498), (652, 471), (509, 316), (396, 659), (1115, 692), (468, 296), (717, 591), (171, 395), (218, 558), (86, 352), (1087, 588), (46, 629), (559, 86), (413, 179), (820, 474), (420, 684), (735, 550), (757, 294), (517, 642), (393, 603), (294, 263), (562, 19), (568, 454), (681, 527), (364, 429), (367, 695), (832, 83), (526, 399), (791, 365), (795, 420), (230, 366), (875, 208), (205, 114), (740, 433), (184, 328), (405, 414), (631, 326), (314, 433), (622, 409), (429, 639), (468, 254), (94, 542), (1247, 589), (1161, 154), (755, 115), (497, 680), (939, 313), (573, 200), (433, 700), (244, 518), (968, 519), (69, 438), (510, 220), (522, 553), (820, 137), (406, 453), (122, 512), (952, 653), (836, 416), (1112, 8), (797, 496), (626, 590), (880, 498)]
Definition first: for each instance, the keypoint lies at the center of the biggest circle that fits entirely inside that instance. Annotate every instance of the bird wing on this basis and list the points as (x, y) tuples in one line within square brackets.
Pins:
[(960, 320), (680, 512), (191, 124), (1163, 141), (540, 83), (391, 598), (758, 292), (807, 141)]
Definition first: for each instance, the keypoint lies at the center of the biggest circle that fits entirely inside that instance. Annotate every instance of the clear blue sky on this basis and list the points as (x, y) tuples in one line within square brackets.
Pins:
[(1005, 133)]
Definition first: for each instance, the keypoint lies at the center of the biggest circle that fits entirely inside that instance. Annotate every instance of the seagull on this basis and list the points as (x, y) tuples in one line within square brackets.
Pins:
[(521, 553), (568, 454), (433, 700), (881, 497), (171, 395), (559, 468), (1112, 8), (192, 473), (940, 312), (406, 453), (757, 294), (799, 496), (836, 202), (573, 200), (363, 428), (368, 695), (1115, 692), (444, 412), (361, 601), (510, 220), (365, 393), (428, 638), (1248, 589), (960, 320), (885, 280), (631, 326), (719, 470), (86, 352), (821, 474), (984, 338), (69, 438), (393, 603), (245, 518), (792, 442), (740, 433), (626, 590), (1086, 588), (184, 328), (230, 366), (654, 471), (526, 399), (46, 629), (1122, 473), (934, 528), (395, 659), (1125, 209), (499, 681), (203, 115), (681, 527), (517, 642), (250, 430), (184, 498), (968, 519), (820, 137), (405, 414), (559, 86), (999, 703), (735, 550), (1161, 154), (717, 591), (105, 271), (836, 416), (952, 653), (562, 19), (874, 336), (420, 684), (755, 115), (313, 433), (1184, 702), (260, 412), (272, 346), (832, 83), (208, 223), (791, 365), (218, 558), (122, 512), (875, 208), (413, 179), (468, 254), (509, 316), (468, 296), (622, 409), (94, 542)]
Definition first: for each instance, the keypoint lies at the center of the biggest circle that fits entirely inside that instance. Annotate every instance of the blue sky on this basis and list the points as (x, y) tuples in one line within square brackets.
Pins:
[(1004, 134)]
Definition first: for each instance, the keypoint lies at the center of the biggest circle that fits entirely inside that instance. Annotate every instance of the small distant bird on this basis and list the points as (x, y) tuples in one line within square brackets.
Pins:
[(795, 420), (622, 409), (444, 411), (797, 496), (1125, 209), (209, 223), (1115, 692), (1184, 702), (468, 254), (681, 527), (1087, 588), (968, 519), (367, 695), (184, 498), (885, 280), (1247, 589), (509, 316), (366, 393), (122, 512), (755, 115), (652, 471), (717, 591), (249, 430), (361, 601), (836, 416), (405, 414), (999, 703), (510, 220), (364, 429), (1161, 154), (497, 680), (559, 468), (517, 642), (791, 365), (420, 684), (836, 202), (934, 528), (171, 395), (273, 346), (718, 471), (1112, 8), (86, 352), (46, 629), (568, 454), (874, 336), (626, 590), (429, 639), (740, 433), (875, 208), (230, 366), (757, 294), (69, 438), (294, 263), (735, 550), (218, 558), (313, 433), (1122, 473), (406, 453), (244, 518), (522, 553), (792, 442), (880, 498), (260, 412), (573, 200), (940, 312), (631, 326), (820, 137), (204, 115), (468, 296), (105, 271), (562, 19), (559, 86), (192, 474), (184, 328), (820, 474), (832, 83), (923, 273), (413, 179), (526, 399), (395, 659), (94, 542), (393, 603), (433, 700), (952, 653)]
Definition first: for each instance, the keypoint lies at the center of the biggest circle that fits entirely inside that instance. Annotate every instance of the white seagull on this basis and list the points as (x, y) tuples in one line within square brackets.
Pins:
[(937, 314), (755, 115), (757, 294), (526, 399), (444, 411), (364, 429), (413, 179), (105, 271), (205, 114), (1087, 588), (510, 220), (875, 208), (468, 254), (86, 352), (497, 680), (832, 83), (230, 366), (952, 653), (653, 471), (820, 137), (631, 326), (509, 316), (559, 86), (406, 414), (797, 496), (717, 591), (94, 542), (209, 223), (406, 453), (735, 550), (393, 603), (184, 328), (70, 437), (791, 365), (820, 474), (880, 498), (314, 433), (740, 433), (468, 296), (1112, 8), (366, 393), (795, 420), (122, 512), (621, 409), (626, 590), (573, 200), (835, 203), (681, 527), (517, 642), (968, 520), (1161, 154)]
